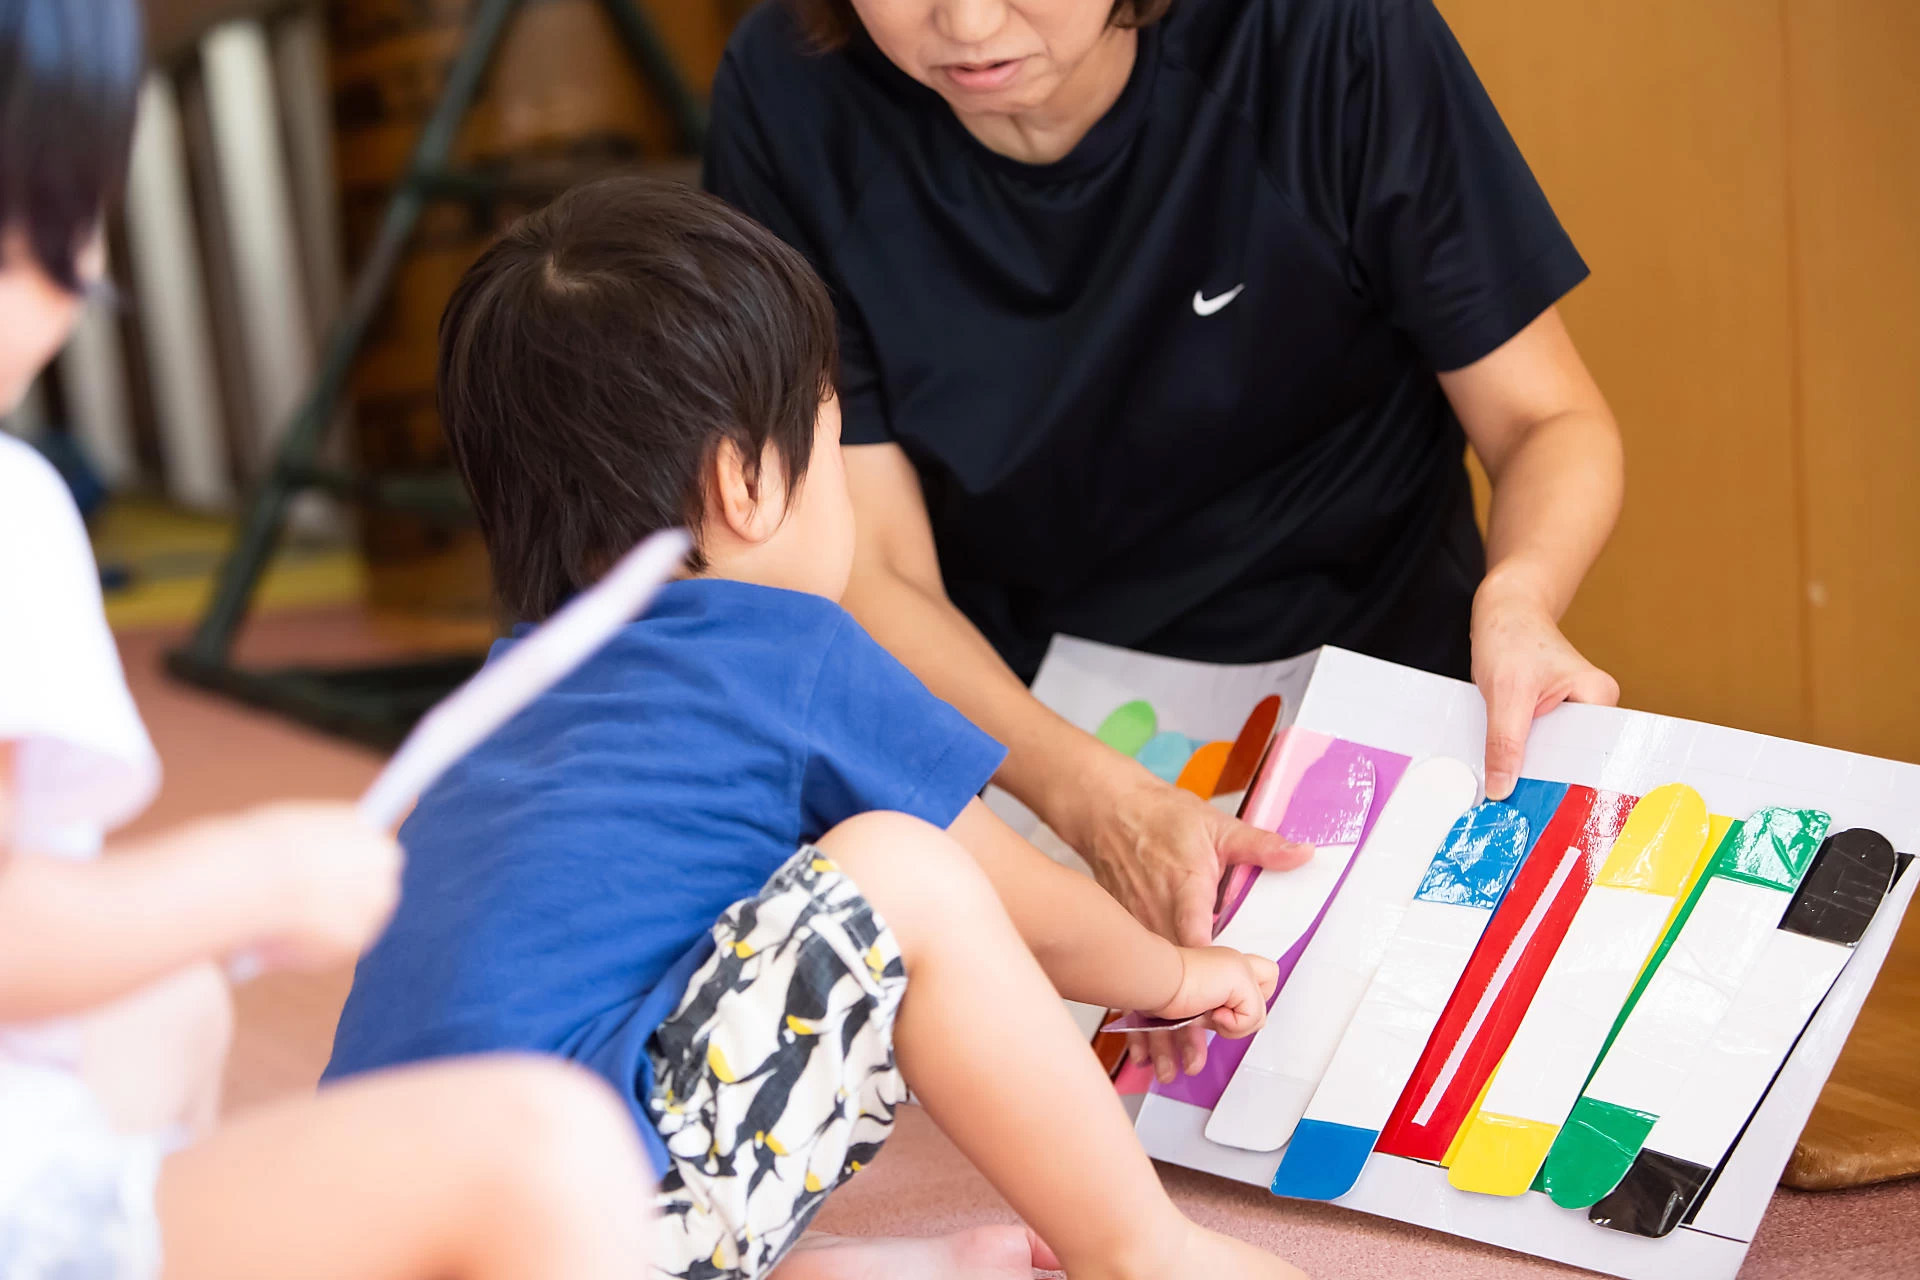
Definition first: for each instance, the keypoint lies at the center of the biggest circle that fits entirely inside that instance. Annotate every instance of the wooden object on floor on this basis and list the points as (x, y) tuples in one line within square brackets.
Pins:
[(1866, 1127)]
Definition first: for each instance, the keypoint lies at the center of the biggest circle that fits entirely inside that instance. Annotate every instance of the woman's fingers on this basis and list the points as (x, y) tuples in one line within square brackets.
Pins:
[(1240, 843), (1510, 708), (1165, 1060), (1595, 686), (1192, 1040), (1521, 684)]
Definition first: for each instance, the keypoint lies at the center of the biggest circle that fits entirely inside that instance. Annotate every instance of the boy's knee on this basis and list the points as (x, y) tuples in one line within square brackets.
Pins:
[(909, 870)]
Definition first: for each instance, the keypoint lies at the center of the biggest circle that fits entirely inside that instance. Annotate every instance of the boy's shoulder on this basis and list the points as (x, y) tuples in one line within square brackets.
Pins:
[(704, 647), (704, 612), (784, 644), (722, 659)]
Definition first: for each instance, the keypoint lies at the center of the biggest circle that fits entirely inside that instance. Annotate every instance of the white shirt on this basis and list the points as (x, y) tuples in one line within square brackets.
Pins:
[(83, 761)]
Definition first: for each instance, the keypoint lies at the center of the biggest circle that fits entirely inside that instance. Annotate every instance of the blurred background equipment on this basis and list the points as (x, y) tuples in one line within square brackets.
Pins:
[(446, 118)]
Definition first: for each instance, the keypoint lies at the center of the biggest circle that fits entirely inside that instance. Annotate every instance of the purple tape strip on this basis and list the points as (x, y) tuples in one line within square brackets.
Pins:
[(1318, 806)]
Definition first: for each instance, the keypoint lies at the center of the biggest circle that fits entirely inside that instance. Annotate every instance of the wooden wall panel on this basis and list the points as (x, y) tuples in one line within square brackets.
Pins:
[(1658, 131), (1854, 100)]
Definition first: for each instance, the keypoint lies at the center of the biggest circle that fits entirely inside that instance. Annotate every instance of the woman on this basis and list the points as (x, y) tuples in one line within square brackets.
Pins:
[(1167, 323)]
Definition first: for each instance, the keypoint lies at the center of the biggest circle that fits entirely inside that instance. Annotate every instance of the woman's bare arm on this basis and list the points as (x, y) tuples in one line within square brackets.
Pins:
[(1552, 449)]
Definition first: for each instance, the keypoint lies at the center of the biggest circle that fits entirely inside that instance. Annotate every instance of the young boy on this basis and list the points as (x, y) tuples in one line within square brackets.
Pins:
[(737, 863)]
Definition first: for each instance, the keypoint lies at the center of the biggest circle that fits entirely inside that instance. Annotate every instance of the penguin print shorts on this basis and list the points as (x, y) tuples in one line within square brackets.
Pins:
[(775, 1079)]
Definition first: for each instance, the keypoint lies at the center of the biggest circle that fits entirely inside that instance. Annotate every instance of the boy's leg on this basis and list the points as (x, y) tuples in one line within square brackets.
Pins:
[(775, 1079), (994, 1057), (155, 1059), (498, 1168)]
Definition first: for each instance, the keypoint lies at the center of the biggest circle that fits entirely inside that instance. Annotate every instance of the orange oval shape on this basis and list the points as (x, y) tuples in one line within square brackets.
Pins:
[(1201, 774)]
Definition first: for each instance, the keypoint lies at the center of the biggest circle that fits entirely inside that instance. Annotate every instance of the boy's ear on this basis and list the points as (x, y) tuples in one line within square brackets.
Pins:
[(749, 503)]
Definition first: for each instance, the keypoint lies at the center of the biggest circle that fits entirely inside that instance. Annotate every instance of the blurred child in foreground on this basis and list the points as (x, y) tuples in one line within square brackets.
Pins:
[(114, 1019)]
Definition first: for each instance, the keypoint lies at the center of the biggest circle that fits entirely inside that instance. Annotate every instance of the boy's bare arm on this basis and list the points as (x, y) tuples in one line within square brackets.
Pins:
[(1087, 943)]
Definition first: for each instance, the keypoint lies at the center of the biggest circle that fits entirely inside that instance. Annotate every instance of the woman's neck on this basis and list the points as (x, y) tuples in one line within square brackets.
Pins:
[(1047, 132)]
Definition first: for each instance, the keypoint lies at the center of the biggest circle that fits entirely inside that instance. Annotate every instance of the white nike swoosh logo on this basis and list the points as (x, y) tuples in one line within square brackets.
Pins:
[(1205, 306)]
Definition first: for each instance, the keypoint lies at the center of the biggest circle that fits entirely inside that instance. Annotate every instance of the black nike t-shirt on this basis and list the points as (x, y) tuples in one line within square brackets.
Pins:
[(1175, 391)]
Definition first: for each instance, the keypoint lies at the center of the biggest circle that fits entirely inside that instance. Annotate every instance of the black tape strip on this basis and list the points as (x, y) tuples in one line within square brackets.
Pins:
[(1901, 862), (1850, 875), (1842, 891), (1654, 1196)]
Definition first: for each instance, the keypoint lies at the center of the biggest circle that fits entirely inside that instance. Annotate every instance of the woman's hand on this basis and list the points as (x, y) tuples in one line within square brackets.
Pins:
[(1162, 853), (1524, 668)]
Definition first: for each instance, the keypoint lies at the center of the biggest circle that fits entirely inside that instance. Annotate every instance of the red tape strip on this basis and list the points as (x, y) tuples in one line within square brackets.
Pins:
[(1585, 825)]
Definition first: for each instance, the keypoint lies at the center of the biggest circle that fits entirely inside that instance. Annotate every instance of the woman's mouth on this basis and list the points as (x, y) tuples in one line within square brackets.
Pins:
[(983, 77)]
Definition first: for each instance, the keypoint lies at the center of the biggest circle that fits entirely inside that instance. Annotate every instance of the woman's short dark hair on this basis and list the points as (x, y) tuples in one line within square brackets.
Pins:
[(595, 357), (829, 24), (69, 84)]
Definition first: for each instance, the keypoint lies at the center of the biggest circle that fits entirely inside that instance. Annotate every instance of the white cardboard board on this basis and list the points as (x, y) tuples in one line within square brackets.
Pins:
[(1416, 714)]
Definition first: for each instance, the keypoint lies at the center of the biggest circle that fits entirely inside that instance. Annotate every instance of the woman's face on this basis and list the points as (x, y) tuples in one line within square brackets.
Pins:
[(36, 314), (987, 56)]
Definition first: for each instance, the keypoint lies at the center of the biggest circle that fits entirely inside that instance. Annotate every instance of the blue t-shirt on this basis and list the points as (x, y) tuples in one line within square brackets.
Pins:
[(562, 880)]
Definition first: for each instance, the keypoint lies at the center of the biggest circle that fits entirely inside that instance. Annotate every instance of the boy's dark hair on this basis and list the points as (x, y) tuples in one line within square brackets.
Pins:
[(595, 357), (829, 24), (69, 83)]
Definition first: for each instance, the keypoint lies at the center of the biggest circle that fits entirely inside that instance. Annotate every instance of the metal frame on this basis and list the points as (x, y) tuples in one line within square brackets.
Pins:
[(378, 704)]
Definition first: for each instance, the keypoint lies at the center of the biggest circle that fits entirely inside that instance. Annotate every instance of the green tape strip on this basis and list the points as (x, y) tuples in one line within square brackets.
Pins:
[(1593, 1152), (1773, 847)]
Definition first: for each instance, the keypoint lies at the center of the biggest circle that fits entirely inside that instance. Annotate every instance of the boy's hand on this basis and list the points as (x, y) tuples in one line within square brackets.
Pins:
[(331, 881), (1230, 987)]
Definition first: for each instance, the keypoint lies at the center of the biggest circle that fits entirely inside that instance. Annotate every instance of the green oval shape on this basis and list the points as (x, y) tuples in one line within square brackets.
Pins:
[(1129, 728)]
